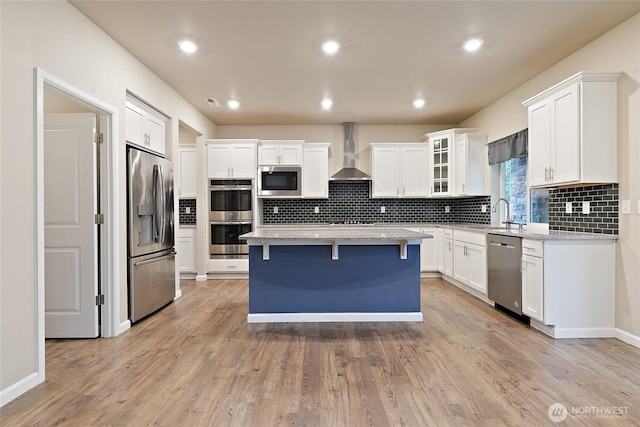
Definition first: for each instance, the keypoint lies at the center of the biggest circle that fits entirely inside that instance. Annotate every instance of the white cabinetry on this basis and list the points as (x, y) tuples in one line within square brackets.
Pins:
[(568, 287), (532, 279), (399, 170), (470, 164), (441, 160), (444, 237), (470, 259), (144, 126), (273, 152), (187, 176), (429, 251), (573, 131), (315, 171), (231, 158), (186, 249)]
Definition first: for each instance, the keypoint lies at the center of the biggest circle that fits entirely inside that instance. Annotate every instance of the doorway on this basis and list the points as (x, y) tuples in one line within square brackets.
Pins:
[(53, 94)]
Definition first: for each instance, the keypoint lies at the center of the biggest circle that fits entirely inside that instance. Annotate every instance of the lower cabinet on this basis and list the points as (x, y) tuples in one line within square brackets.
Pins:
[(428, 250), (447, 252), (228, 267), (470, 259), (533, 279), (186, 249)]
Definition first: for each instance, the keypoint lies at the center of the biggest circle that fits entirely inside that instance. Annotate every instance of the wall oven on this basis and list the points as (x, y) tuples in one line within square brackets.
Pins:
[(279, 181), (230, 215)]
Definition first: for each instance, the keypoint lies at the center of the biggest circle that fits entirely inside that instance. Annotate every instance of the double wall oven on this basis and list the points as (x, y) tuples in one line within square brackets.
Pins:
[(230, 215)]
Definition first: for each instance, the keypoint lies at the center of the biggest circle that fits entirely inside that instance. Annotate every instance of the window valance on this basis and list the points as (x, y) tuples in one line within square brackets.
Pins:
[(510, 147)]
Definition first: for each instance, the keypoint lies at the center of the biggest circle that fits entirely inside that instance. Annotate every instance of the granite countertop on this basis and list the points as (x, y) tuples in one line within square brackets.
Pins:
[(347, 230), (331, 233)]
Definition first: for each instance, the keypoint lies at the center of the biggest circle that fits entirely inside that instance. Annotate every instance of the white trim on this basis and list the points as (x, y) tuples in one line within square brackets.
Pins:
[(334, 317), (628, 338), (581, 76), (124, 326), (584, 332), (19, 388), (202, 278), (178, 294)]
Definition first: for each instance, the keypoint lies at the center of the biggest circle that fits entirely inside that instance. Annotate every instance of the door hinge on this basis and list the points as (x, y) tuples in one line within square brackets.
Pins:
[(98, 138), (99, 299), (99, 219)]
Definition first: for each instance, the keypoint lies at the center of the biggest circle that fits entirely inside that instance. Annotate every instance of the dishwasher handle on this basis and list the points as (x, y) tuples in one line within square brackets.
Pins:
[(504, 245)]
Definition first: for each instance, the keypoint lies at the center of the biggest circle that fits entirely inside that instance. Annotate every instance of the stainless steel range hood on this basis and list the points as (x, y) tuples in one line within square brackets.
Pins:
[(349, 172)]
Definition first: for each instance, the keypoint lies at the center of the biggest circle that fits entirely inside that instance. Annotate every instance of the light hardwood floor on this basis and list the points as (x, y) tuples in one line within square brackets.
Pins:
[(197, 362)]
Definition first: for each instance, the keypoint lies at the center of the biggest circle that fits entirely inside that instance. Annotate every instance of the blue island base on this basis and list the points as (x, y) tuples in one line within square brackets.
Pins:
[(304, 284)]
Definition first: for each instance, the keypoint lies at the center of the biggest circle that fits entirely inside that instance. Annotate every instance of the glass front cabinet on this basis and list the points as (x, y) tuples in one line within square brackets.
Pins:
[(441, 146)]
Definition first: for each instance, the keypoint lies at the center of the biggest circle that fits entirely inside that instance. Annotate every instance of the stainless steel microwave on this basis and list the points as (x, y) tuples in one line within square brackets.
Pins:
[(279, 181)]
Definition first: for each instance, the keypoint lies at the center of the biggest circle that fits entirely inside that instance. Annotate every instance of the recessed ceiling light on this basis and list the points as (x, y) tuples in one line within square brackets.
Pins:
[(188, 46), (233, 104), (327, 103), (330, 47), (419, 103), (473, 45)]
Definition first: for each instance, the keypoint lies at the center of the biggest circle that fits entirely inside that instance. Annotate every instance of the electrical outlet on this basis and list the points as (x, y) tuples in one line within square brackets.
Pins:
[(447, 209), (316, 209), (275, 209), (484, 208), (626, 207), (383, 209), (568, 207), (187, 209), (586, 208)]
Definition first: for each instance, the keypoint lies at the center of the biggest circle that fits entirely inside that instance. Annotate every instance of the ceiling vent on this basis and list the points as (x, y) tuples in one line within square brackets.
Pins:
[(212, 102)]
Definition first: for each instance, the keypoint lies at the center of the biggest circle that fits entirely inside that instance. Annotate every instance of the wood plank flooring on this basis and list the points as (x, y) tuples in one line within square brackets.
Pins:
[(198, 363)]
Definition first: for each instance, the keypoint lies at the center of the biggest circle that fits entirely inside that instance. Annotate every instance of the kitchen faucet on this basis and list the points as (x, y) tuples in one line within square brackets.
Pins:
[(508, 222)]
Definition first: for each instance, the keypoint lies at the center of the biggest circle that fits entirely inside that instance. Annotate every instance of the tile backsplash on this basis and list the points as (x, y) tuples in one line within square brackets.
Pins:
[(603, 216), (183, 216), (349, 201)]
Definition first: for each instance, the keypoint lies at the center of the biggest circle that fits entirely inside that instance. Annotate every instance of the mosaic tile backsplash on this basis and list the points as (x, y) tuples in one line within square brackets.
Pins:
[(603, 200), (349, 201), (183, 216)]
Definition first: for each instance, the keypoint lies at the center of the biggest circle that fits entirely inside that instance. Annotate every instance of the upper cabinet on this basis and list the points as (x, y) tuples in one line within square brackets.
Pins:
[(470, 160), (399, 170), (144, 126), (187, 176), (315, 171), (441, 157), (280, 153), (231, 158), (573, 131)]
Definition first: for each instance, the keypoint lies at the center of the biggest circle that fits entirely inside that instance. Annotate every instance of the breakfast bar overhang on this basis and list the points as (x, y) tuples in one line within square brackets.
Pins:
[(334, 274)]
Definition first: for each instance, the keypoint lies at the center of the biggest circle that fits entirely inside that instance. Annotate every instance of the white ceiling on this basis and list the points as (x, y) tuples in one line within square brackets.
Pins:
[(267, 54)]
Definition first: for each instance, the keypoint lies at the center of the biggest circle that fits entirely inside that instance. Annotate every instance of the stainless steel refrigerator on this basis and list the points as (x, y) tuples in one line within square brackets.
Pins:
[(150, 230)]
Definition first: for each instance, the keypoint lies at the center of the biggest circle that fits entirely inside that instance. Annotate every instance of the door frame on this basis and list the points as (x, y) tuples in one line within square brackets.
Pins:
[(109, 272)]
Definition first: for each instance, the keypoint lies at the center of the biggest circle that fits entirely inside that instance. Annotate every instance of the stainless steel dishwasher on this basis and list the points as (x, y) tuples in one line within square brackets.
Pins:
[(504, 274)]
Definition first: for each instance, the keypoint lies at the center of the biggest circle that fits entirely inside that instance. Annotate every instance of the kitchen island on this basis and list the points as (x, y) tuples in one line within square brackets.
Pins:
[(334, 274)]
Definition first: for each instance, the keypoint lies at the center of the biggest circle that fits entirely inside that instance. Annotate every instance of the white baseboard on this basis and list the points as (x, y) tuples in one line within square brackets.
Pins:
[(178, 294), (630, 339), (19, 388), (584, 332), (201, 278), (124, 326), (333, 317)]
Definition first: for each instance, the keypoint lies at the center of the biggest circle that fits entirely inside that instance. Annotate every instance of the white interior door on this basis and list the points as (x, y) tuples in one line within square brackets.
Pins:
[(70, 202)]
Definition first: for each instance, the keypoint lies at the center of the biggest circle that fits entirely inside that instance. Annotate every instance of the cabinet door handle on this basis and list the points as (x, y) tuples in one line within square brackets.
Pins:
[(546, 174), (463, 190), (551, 174)]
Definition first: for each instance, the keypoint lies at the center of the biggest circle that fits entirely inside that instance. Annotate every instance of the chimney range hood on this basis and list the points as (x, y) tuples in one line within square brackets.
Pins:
[(349, 171)]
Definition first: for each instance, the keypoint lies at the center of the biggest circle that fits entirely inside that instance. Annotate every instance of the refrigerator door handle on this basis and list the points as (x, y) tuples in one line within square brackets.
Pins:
[(158, 188), (149, 261)]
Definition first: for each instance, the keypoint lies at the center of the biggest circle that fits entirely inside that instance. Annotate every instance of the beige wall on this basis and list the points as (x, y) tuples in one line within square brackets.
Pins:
[(365, 134), (86, 58), (617, 50)]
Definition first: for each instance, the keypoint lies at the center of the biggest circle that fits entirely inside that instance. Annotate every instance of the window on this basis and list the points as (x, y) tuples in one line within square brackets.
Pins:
[(514, 188)]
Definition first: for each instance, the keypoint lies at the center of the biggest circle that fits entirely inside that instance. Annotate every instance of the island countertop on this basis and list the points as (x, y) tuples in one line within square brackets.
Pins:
[(343, 234)]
